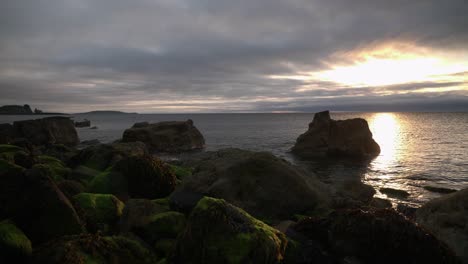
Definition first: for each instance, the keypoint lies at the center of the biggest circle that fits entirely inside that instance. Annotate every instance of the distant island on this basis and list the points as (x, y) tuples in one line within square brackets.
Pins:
[(104, 112), (23, 110)]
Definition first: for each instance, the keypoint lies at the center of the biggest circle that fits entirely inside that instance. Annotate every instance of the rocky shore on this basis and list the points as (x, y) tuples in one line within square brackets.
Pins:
[(120, 203)]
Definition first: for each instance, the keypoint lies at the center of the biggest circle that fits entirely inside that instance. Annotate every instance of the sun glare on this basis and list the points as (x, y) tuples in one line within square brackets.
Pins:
[(386, 132)]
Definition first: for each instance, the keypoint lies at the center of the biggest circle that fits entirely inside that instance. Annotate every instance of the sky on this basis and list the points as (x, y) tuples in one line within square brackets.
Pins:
[(174, 56)]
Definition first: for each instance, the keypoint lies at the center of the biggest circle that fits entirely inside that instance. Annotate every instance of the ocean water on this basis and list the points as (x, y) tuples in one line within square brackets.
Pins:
[(418, 149)]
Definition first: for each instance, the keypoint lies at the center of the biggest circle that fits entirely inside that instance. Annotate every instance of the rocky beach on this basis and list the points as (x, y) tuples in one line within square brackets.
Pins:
[(69, 202)]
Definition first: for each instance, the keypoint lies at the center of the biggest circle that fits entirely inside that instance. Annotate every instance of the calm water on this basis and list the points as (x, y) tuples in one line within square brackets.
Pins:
[(418, 149)]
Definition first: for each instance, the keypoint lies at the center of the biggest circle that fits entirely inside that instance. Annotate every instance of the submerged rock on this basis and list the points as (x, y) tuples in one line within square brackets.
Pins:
[(94, 249), (447, 218), (438, 189), (262, 184), (218, 232), (15, 247), (49, 130), (396, 193), (374, 236), (84, 123), (170, 136), (327, 137)]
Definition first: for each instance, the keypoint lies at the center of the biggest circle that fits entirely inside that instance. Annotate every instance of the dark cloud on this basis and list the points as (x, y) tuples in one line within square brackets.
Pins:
[(207, 54)]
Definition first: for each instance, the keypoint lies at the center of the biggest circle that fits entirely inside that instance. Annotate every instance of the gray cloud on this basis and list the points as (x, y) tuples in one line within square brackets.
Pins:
[(75, 55)]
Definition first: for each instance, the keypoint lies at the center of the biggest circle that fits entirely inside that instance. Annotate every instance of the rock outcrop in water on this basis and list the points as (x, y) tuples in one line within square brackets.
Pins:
[(45, 131), (84, 123), (170, 136), (262, 184), (327, 137), (16, 110), (447, 218)]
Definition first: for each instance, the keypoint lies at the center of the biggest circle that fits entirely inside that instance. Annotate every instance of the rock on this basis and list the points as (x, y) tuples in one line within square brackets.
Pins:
[(407, 210), (49, 130), (391, 192), (7, 133), (84, 123), (94, 249), (101, 211), (140, 125), (447, 218), (381, 203), (146, 176), (184, 200), (262, 184), (91, 142), (352, 193), (327, 137), (52, 167), (33, 201), (94, 127), (16, 110), (15, 246), (25, 160), (439, 189), (137, 212), (170, 136), (218, 232), (102, 156), (70, 188), (373, 236), (166, 225), (58, 151)]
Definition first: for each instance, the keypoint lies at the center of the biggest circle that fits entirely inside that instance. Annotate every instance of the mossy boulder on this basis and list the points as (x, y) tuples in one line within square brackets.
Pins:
[(15, 247), (8, 153), (259, 182), (180, 171), (91, 249), (7, 167), (84, 174), (138, 212), (161, 226), (55, 168), (35, 203), (58, 151), (102, 156), (371, 236), (218, 232), (109, 181), (101, 211), (146, 176)]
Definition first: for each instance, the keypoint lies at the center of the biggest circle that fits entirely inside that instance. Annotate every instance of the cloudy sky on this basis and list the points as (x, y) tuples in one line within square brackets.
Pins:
[(234, 56)]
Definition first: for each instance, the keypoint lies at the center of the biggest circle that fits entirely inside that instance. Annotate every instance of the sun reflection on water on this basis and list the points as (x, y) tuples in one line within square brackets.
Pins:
[(386, 128)]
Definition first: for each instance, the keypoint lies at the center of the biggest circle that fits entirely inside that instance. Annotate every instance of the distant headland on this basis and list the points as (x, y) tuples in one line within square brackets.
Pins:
[(23, 110), (104, 112)]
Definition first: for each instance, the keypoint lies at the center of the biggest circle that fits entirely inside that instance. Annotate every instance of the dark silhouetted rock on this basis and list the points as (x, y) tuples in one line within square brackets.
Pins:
[(16, 110), (184, 200), (171, 136), (84, 123), (407, 210), (218, 232), (374, 236), (381, 203), (49, 130), (33, 201), (262, 184), (70, 188), (391, 192), (138, 212), (7, 133), (140, 125), (447, 218), (327, 137), (439, 189), (94, 249)]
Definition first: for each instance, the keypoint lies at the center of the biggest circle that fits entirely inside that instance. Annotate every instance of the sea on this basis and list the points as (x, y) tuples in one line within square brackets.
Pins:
[(417, 149)]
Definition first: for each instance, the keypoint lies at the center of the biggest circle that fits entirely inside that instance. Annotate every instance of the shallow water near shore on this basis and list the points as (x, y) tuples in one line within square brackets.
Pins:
[(418, 149)]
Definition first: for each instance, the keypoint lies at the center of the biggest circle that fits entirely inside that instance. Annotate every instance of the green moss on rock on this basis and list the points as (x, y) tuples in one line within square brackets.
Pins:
[(218, 232), (8, 167), (9, 148), (91, 249), (100, 210), (15, 247), (181, 172), (56, 169), (163, 225)]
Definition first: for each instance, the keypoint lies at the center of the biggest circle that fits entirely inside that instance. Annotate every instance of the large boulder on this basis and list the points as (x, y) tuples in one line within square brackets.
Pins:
[(327, 137), (447, 218), (138, 212), (34, 202), (373, 236), (170, 136), (94, 249), (49, 130), (265, 186), (218, 232)]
